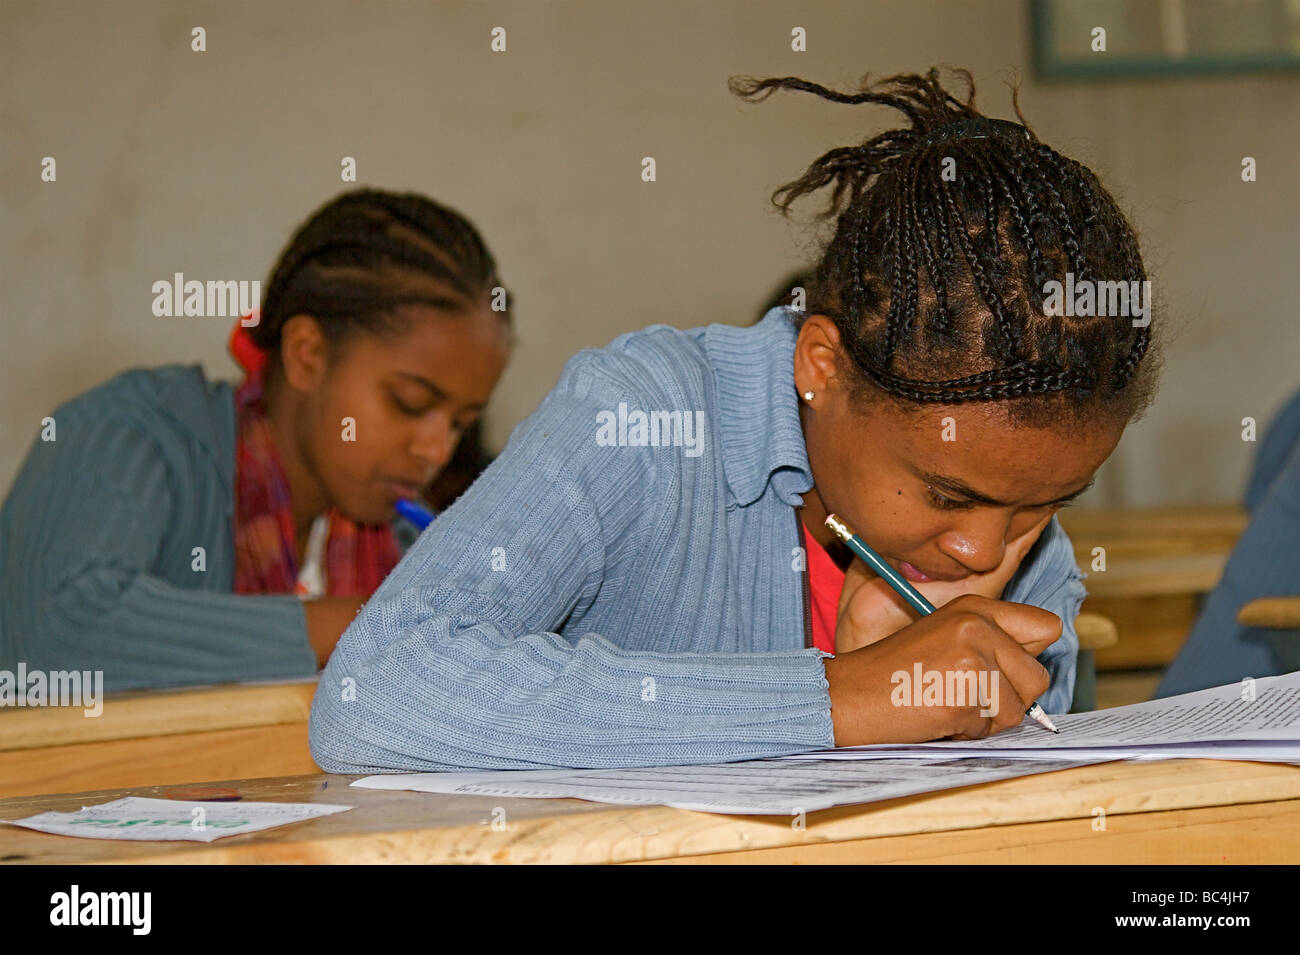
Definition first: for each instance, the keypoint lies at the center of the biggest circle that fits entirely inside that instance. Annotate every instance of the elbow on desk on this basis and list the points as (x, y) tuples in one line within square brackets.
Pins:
[(345, 735), (332, 733)]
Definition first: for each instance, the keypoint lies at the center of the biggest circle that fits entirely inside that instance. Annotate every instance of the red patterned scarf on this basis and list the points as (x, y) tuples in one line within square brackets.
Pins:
[(357, 557)]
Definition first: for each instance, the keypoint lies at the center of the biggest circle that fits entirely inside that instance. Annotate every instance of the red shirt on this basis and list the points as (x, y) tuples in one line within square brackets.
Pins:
[(825, 581)]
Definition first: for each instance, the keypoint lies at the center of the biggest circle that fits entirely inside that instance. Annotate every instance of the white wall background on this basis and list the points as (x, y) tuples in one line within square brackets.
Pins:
[(204, 163)]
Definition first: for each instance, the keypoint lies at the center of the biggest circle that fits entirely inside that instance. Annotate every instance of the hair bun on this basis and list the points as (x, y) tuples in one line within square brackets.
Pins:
[(976, 127)]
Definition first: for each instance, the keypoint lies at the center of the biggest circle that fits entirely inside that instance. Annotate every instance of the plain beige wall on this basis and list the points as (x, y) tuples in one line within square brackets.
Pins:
[(170, 160)]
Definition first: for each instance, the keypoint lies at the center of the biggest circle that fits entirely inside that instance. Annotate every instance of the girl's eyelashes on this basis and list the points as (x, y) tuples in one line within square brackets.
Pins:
[(406, 409), (949, 504), (412, 411), (946, 503)]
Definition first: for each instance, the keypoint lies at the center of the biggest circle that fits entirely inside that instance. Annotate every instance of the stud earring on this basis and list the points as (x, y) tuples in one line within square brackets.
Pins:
[(807, 396)]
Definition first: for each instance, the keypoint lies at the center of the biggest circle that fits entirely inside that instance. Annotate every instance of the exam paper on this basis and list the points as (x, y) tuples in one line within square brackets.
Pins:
[(757, 787), (1257, 720), (138, 819)]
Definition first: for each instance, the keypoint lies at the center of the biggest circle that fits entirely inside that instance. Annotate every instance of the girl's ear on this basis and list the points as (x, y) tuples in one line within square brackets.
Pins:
[(816, 355), (304, 352)]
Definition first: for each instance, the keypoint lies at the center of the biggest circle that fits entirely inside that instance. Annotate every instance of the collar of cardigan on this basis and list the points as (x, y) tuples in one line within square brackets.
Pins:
[(758, 409)]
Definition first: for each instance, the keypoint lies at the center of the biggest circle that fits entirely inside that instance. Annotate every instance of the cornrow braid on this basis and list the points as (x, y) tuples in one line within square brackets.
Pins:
[(947, 232), (365, 254)]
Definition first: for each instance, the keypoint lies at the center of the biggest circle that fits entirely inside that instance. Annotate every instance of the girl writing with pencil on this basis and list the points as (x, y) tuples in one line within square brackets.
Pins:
[(178, 531), (645, 574)]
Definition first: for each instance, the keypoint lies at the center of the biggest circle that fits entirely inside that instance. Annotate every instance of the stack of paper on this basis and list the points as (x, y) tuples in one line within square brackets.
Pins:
[(759, 787), (1257, 720)]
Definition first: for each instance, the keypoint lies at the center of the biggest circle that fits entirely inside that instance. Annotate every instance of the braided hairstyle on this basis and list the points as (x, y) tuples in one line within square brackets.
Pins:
[(937, 287), (364, 255)]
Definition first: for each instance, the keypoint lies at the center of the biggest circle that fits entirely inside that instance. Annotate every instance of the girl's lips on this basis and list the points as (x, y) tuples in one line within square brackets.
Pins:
[(920, 577), (911, 573), (402, 489)]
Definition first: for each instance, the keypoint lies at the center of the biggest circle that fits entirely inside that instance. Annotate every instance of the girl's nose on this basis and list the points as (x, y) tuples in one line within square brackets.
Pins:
[(434, 444), (978, 543)]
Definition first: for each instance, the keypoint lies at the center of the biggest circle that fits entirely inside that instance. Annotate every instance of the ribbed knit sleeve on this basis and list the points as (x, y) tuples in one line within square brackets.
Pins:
[(97, 541), (457, 662)]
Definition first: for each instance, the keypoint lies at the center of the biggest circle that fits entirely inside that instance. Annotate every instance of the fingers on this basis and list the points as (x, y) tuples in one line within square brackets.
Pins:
[(1028, 681), (1047, 519), (1021, 545), (1024, 678), (1033, 628), (1014, 634), (1011, 687)]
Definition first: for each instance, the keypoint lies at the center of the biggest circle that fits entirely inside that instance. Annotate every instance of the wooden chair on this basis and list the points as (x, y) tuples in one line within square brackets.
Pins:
[(1095, 633), (1277, 613)]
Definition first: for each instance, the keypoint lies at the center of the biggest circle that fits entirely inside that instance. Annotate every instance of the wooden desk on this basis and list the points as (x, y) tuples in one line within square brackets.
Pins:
[(1154, 531), (1160, 562), (158, 737), (1183, 811)]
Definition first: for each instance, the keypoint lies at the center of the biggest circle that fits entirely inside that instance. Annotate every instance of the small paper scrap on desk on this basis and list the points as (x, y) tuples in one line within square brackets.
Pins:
[(150, 820)]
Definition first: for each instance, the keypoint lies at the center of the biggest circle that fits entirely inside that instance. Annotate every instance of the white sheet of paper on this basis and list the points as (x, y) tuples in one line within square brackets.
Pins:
[(757, 787), (137, 819), (1260, 722)]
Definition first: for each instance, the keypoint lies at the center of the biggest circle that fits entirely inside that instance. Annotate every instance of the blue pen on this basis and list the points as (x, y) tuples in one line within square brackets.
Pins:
[(905, 589), (417, 514)]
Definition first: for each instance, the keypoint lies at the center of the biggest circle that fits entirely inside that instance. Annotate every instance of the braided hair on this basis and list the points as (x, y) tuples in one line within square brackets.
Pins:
[(365, 254), (937, 287)]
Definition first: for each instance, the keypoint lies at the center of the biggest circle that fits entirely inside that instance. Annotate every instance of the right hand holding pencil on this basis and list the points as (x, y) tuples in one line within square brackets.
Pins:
[(970, 634)]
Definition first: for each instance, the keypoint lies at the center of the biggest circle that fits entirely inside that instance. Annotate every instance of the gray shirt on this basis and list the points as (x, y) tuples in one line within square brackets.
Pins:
[(117, 544)]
